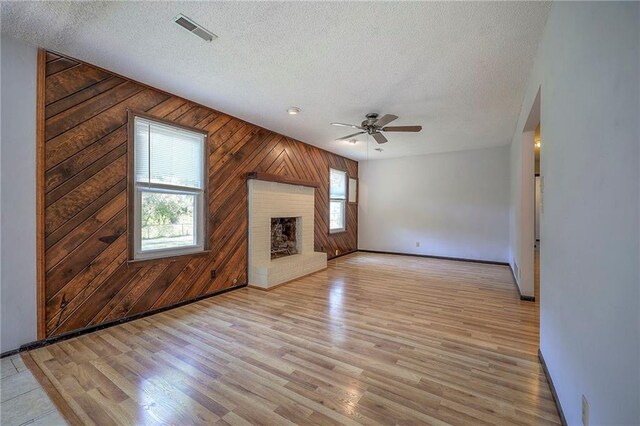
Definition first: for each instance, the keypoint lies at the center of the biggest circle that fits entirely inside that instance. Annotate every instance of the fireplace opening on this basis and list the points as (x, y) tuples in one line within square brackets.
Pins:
[(284, 241)]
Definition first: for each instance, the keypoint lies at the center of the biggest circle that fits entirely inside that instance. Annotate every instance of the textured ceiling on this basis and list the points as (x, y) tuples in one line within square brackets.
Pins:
[(457, 68)]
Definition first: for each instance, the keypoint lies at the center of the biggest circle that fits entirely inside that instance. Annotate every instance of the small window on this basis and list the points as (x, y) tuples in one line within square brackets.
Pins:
[(337, 200), (169, 189)]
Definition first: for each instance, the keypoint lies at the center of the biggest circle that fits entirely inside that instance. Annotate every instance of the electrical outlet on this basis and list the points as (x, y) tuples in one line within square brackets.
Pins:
[(585, 411), (235, 280), (213, 273), (337, 252), (417, 243)]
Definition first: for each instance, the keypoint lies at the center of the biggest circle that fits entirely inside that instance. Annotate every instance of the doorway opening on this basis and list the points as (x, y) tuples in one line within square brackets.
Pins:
[(530, 211)]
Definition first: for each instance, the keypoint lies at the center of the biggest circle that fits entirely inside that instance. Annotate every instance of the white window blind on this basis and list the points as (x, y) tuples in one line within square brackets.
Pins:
[(338, 186), (168, 155), (337, 200)]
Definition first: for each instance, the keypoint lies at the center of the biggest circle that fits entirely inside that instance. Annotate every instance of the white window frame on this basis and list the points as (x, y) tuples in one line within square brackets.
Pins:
[(340, 200), (138, 188)]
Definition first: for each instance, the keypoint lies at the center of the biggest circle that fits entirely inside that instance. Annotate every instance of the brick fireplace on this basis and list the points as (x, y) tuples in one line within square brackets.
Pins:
[(281, 233)]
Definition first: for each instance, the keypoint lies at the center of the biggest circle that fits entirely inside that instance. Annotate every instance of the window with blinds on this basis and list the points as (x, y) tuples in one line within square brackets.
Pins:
[(337, 200), (169, 185)]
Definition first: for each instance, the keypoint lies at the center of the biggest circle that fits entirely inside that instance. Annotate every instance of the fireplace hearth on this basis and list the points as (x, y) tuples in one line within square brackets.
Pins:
[(284, 237)]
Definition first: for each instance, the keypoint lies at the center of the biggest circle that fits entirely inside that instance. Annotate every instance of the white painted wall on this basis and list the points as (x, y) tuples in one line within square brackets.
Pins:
[(588, 69), (455, 204), (18, 200)]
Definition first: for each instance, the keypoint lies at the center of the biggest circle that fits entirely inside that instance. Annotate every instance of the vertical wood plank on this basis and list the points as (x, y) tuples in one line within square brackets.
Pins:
[(40, 193)]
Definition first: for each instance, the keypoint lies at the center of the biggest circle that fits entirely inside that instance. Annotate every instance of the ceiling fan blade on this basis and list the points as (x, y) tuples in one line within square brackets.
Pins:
[(385, 119), (402, 129), (346, 125), (349, 136), (379, 137)]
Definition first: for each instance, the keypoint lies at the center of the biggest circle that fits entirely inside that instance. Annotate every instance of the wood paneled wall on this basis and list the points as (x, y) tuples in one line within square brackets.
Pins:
[(87, 279)]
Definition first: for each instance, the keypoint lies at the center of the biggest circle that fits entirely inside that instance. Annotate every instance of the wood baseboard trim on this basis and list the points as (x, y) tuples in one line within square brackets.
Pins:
[(515, 282), (49, 388), (341, 254), (11, 352), (75, 333), (563, 419), (456, 259), (273, 287)]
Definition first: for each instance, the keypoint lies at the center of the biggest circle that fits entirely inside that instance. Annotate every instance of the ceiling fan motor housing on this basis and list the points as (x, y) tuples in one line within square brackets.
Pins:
[(372, 117)]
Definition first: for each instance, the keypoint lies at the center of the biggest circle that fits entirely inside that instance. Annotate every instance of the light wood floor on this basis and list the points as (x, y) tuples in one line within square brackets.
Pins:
[(374, 339)]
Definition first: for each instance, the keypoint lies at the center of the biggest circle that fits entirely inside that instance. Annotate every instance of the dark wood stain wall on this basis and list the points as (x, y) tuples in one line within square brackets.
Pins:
[(87, 279)]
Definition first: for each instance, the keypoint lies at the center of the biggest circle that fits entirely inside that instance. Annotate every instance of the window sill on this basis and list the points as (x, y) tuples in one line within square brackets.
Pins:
[(173, 258), (337, 231)]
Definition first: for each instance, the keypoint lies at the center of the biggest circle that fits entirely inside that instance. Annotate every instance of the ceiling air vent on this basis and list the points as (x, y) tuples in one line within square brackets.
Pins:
[(194, 28)]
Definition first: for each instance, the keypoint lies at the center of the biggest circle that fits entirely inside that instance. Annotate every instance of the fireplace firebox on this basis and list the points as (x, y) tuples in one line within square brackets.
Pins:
[(284, 236)]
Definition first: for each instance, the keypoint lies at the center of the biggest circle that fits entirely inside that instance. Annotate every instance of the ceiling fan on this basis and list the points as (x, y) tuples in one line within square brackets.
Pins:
[(374, 125)]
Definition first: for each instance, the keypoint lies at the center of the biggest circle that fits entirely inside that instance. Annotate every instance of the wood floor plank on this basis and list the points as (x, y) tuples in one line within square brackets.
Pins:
[(373, 339)]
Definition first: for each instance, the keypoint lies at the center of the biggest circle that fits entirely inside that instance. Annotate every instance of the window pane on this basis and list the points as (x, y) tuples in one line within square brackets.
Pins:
[(167, 220), (168, 155), (336, 215), (353, 190), (337, 184)]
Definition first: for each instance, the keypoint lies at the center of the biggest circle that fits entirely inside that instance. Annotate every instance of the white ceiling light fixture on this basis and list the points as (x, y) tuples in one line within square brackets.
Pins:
[(293, 111), (194, 28)]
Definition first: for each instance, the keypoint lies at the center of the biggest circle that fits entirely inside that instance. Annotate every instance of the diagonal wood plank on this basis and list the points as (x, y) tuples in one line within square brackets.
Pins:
[(88, 281)]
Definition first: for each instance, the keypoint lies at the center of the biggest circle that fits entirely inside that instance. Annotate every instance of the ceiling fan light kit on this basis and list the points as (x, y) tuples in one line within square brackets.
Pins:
[(373, 125)]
